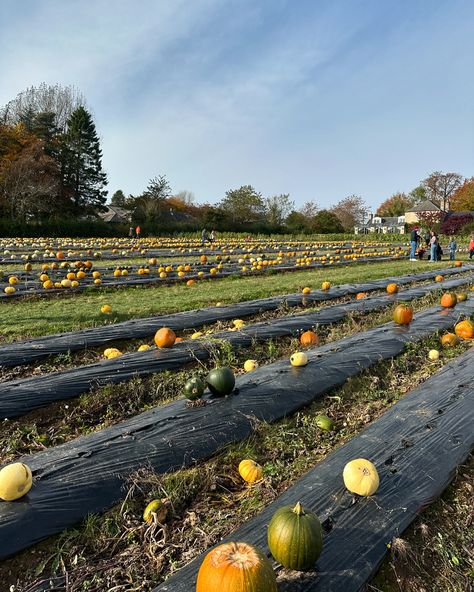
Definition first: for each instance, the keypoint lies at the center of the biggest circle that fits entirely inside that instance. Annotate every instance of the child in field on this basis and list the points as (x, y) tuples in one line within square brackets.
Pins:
[(452, 246)]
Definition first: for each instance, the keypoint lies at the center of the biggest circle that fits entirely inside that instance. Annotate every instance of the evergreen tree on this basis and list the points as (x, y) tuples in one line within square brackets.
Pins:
[(84, 180), (118, 199)]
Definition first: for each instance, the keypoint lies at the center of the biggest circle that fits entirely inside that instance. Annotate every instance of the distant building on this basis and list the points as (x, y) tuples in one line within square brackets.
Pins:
[(412, 215), (115, 215), (382, 225)]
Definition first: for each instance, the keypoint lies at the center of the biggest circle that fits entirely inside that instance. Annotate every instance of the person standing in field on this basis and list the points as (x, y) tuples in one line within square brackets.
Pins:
[(131, 232), (137, 231), (212, 236), (203, 237), (414, 239), (452, 246), (471, 247), (427, 238), (434, 246)]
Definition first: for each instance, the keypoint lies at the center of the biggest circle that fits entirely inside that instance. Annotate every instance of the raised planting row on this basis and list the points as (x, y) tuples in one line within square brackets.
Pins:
[(13, 289), (30, 350), (87, 475), (415, 448), (20, 396)]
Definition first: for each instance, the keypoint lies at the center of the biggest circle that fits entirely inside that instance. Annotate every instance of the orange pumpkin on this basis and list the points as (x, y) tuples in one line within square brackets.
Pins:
[(458, 264), (403, 314), (449, 340), (439, 278), (448, 300), (203, 258), (325, 285), (361, 295), (236, 567), (190, 283), (392, 289), (250, 471), (465, 329), (309, 338), (165, 337)]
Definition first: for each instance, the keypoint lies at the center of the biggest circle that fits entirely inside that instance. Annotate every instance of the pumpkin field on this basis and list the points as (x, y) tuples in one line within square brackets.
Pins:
[(252, 415)]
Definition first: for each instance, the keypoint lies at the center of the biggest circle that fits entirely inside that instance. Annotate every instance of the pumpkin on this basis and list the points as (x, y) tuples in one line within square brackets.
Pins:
[(221, 381), (403, 314), (295, 537), (106, 309), (439, 278), (465, 329), (250, 365), (236, 567), (309, 338), (144, 347), (458, 264), (238, 323), (449, 340), (250, 471), (15, 481), (361, 295), (194, 388), (361, 477), (461, 296), (9, 290), (156, 509), (165, 337), (448, 300), (433, 354), (306, 290), (190, 283), (392, 289), (324, 423), (299, 359), (325, 285)]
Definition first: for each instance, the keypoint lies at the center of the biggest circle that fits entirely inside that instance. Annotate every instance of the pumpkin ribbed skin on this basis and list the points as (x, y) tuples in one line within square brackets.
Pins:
[(449, 340), (403, 314), (295, 537), (392, 289), (448, 300), (221, 381), (236, 567), (250, 471), (309, 338), (165, 337), (465, 329)]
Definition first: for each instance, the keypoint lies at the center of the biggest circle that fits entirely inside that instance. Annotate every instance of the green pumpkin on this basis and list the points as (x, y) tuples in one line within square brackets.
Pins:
[(194, 389), (295, 537), (221, 381), (324, 423)]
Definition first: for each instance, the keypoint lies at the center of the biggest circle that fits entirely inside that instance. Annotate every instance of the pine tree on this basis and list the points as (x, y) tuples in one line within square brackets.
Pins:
[(84, 180)]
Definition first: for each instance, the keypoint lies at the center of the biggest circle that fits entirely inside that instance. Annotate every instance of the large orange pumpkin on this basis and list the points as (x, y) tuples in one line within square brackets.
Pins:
[(449, 340), (165, 337), (309, 338), (448, 300), (403, 314), (236, 567), (465, 329), (392, 288)]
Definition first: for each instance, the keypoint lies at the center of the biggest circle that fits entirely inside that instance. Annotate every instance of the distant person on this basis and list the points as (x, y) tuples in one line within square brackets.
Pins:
[(452, 246), (131, 232), (427, 238), (433, 246), (414, 240), (137, 231), (203, 237), (471, 247), (212, 236)]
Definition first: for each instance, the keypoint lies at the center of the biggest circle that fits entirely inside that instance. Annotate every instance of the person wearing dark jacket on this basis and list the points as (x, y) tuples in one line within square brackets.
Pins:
[(414, 239)]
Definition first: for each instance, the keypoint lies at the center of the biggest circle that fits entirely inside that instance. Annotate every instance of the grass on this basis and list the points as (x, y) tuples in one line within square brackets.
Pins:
[(118, 551), (42, 316)]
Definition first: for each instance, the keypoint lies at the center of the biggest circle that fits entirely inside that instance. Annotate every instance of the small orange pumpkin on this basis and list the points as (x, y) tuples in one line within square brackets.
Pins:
[(448, 300), (361, 295), (449, 340), (250, 471), (403, 314), (458, 264), (325, 285), (465, 329), (190, 283), (165, 337), (439, 278), (309, 338), (236, 567), (392, 289)]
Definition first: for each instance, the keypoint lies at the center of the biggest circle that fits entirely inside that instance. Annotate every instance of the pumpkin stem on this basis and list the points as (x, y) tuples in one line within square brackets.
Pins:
[(298, 509)]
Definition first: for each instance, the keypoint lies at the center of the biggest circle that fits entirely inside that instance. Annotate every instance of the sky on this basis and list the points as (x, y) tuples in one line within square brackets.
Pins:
[(316, 98)]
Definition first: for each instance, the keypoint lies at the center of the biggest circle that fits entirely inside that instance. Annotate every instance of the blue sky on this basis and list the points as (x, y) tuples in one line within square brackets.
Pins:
[(316, 98)]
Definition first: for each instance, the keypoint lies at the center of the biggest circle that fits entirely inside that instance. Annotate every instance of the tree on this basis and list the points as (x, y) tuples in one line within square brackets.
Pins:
[(309, 209), (463, 198), (158, 188), (396, 205), (118, 199), (351, 211), (441, 186), (187, 197), (243, 206), (296, 222), (81, 159), (277, 208), (418, 194), (326, 222)]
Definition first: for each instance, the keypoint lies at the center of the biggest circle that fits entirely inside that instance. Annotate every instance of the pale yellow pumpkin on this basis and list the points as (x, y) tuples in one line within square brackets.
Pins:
[(360, 476), (15, 481)]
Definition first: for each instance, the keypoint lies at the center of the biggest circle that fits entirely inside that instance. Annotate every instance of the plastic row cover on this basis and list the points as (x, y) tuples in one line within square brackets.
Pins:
[(148, 281), (23, 395), (25, 352), (416, 446), (89, 474)]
